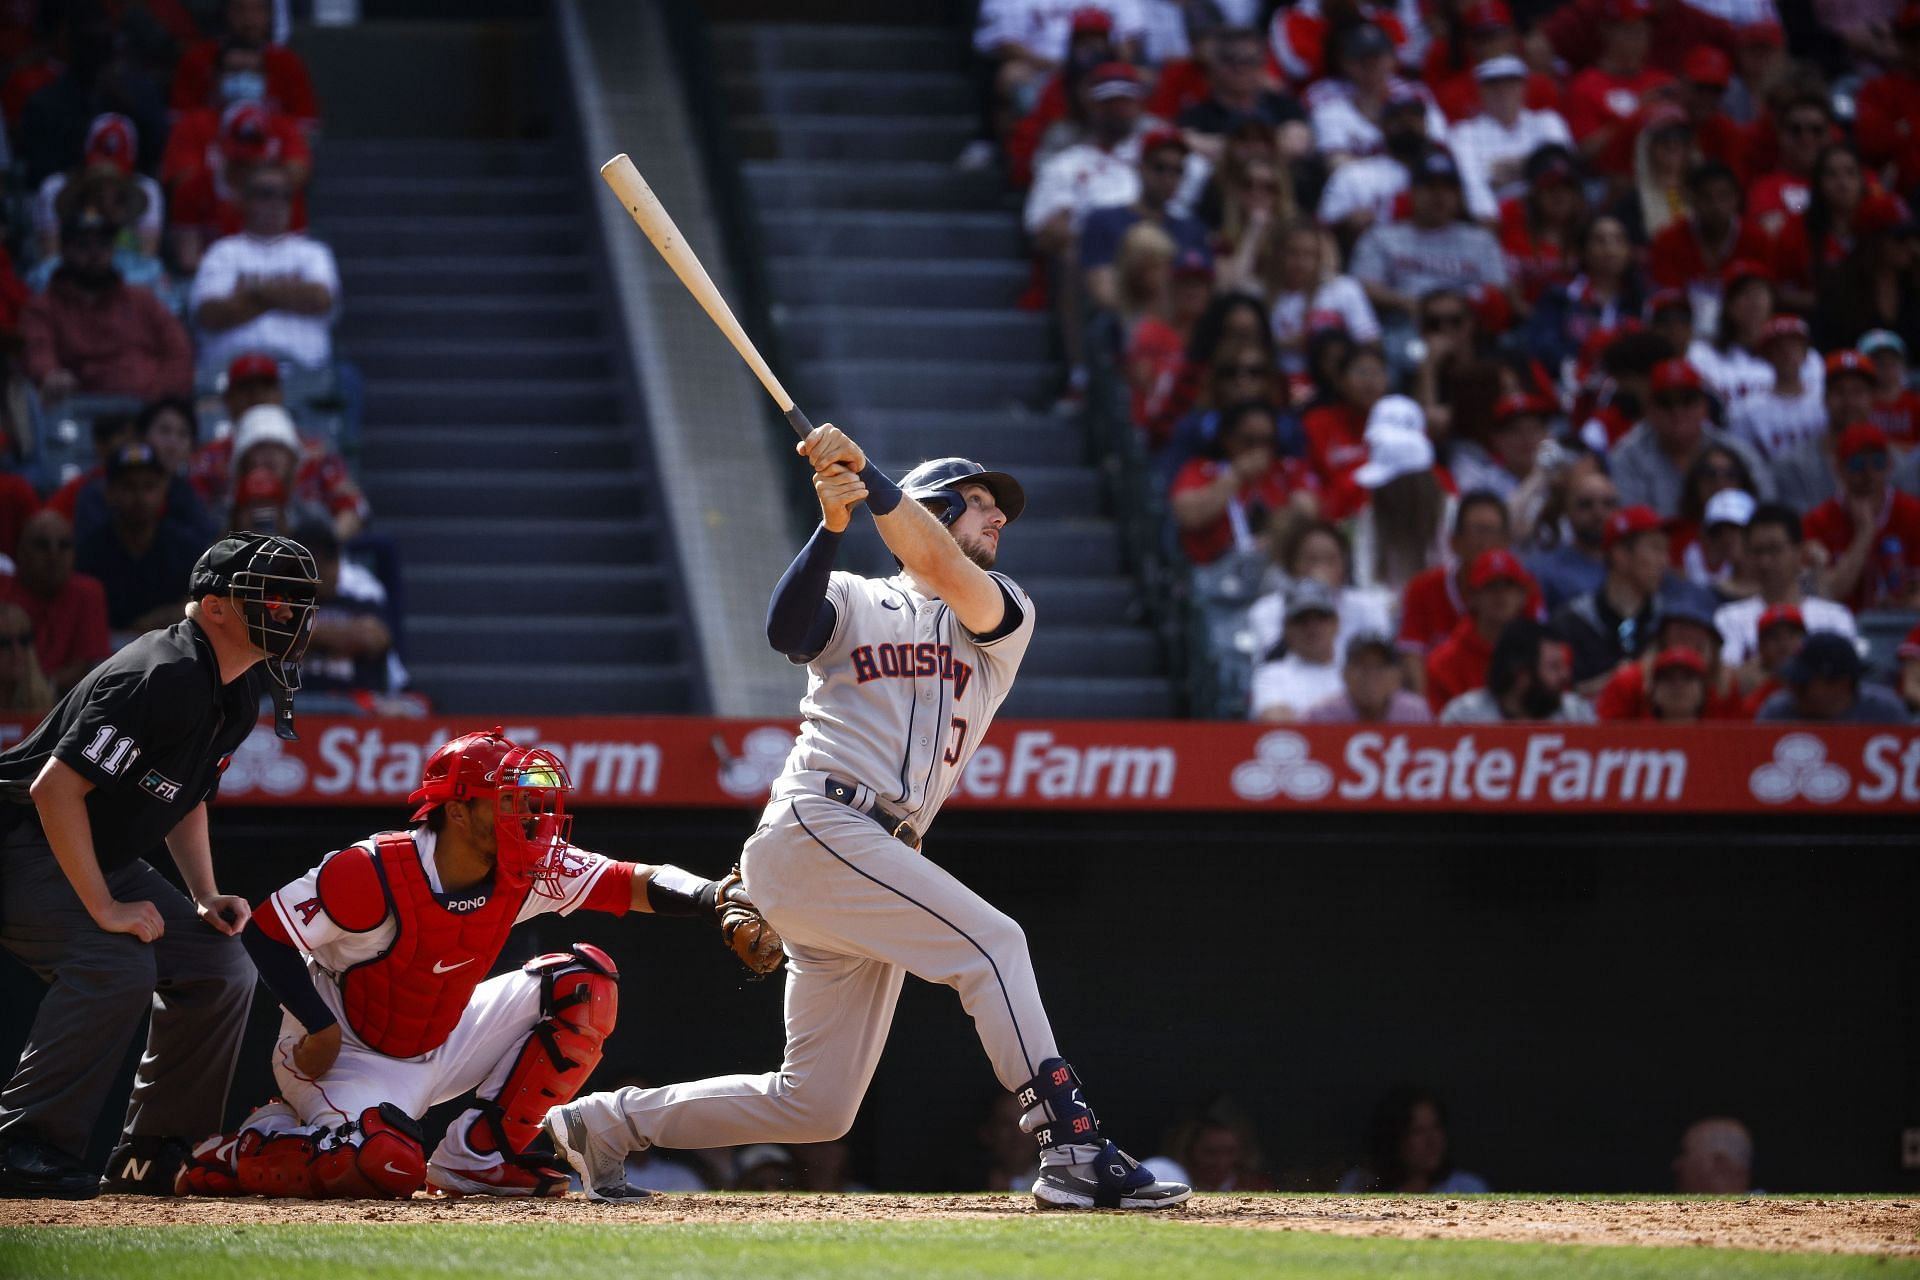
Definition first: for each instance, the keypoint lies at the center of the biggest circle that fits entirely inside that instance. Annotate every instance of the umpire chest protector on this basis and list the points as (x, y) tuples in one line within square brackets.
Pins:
[(407, 1000)]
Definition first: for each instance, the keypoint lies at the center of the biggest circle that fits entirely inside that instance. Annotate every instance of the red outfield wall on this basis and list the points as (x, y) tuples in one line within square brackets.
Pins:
[(1104, 765)]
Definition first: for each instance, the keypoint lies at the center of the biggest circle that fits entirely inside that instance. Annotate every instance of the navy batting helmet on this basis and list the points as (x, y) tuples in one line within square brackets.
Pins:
[(937, 480)]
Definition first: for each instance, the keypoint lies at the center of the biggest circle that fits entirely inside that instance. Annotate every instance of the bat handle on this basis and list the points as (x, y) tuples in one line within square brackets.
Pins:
[(798, 421)]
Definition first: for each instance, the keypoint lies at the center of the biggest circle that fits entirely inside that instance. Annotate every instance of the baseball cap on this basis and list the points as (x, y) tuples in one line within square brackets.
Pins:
[(1687, 603), (1780, 615), (1729, 506), (1381, 643), (1090, 21), (244, 136), (1861, 437), (1767, 34), (252, 366), (1626, 10), (112, 139), (1707, 65), (1825, 656), (1487, 15), (1629, 522), (1193, 263), (1677, 657), (1788, 326), (1841, 364), (1519, 404), (1549, 164), (1397, 443), (1497, 565), (135, 455), (1504, 67), (1154, 139), (1437, 166), (1668, 300), (1741, 270), (1909, 647), (264, 424), (1881, 340), (1664, 116), (1309, 595), (1114, 80), (1676, 375), (1365, 41)]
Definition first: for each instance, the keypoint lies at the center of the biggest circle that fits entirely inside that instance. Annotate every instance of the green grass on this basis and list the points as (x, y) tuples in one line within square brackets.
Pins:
[(1066, 1248)]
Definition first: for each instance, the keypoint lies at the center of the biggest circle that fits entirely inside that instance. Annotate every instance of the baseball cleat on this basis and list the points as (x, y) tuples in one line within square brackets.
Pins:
[(601, 1168), (1110, 1179), (508, 1178)]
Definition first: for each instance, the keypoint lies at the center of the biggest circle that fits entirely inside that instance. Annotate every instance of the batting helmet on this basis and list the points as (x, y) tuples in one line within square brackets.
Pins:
[(938, 480)]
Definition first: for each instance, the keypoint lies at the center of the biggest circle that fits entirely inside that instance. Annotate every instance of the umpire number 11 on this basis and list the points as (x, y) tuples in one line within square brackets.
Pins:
[(122, 755)]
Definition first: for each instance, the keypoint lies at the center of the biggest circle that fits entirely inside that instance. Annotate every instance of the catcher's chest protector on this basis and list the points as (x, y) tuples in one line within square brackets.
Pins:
[(408, 999)]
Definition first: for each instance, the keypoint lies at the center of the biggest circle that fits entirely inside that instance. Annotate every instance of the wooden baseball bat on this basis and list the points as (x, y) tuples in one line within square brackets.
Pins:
[(646, 209)]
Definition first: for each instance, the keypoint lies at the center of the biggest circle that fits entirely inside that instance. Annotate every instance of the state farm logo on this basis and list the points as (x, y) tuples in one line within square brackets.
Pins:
[(750, 774), (1799, 768), (261, 763), (1281, 766)]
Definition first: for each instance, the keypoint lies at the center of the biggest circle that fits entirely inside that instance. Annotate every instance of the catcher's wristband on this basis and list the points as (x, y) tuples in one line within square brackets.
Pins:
[(883, 495), (672, 891)]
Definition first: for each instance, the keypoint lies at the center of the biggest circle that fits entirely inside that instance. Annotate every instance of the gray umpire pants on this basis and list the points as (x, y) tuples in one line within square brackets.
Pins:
[(198, 981)]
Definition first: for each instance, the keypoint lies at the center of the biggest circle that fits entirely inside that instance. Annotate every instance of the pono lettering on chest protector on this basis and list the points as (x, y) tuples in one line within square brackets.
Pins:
[(908, 661)]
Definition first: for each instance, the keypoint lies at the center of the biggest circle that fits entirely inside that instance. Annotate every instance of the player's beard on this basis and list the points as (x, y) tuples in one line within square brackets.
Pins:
[(982, 551)]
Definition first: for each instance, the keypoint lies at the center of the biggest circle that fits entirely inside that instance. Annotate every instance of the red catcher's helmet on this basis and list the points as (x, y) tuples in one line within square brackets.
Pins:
[(528, 788)]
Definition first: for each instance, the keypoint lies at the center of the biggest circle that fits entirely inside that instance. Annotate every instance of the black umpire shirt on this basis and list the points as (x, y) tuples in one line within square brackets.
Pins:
[(148, 727)]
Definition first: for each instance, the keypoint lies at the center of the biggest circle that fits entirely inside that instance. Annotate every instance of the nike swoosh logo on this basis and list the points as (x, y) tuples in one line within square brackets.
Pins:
[(391, 1169), (439, 968), (890, 604)]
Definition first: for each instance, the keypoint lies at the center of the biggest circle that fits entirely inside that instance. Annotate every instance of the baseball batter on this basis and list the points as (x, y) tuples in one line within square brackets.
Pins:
[(904, 675), (379, 956)]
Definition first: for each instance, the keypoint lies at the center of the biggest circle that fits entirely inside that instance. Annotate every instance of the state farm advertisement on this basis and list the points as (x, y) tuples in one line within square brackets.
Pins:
[(1108, 765)]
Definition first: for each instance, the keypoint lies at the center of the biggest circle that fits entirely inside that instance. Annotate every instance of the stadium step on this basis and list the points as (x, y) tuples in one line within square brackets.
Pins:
[(992, 238), (1078, 600), (830, 137), (433, 230), (451, 158), (487, 316), (1145, 697), (910, 333), (853, 385), (405, 277), (506, 638), (949, 285), (759, 49), (439, 357), (523, 446), (390, 196), (901, 441), (596, 494), (854, 185), (536, 590), (850, 93), (1094, 651), (492, 401), (547, 684)]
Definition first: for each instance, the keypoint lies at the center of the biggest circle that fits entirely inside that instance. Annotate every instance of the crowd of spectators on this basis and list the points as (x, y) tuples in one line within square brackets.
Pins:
[(1537, 362), (166, 343)]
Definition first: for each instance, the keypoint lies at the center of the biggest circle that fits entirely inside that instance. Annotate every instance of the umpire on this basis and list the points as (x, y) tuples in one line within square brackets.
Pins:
[(126, 761)]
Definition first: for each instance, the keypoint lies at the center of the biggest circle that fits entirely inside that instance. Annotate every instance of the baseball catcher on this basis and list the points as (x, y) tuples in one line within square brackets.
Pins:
[(380, 956)]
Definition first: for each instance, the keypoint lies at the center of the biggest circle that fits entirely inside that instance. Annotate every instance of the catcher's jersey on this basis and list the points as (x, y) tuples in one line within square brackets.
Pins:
[(902, 693), (332, 950)]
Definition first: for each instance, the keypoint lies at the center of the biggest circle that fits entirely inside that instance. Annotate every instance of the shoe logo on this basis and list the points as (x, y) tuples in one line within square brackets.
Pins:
[(1281, 765), (137, 1170), (1799, 768), (439, 968), (1118, 1171), (888, 602), (391, 1169)]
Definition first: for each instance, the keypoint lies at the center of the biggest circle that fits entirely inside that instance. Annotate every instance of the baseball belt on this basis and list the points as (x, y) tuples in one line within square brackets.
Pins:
[(891, 823)]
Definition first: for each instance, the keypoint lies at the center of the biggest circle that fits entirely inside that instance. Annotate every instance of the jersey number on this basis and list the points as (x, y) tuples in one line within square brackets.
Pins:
[(110, 762), (959, 736)]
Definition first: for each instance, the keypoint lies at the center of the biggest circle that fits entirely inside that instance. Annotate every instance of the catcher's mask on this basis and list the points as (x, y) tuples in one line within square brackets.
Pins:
[(939, 480), (528, 787), (276, 585)]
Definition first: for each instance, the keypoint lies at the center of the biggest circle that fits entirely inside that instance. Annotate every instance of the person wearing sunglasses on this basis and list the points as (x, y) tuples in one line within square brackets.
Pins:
[(68, 610), (268, 288), (1871, 530), (1650, 463), (1803, 124)]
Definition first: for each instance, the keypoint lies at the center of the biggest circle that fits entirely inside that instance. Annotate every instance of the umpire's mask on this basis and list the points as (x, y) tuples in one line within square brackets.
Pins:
[(276, 584)]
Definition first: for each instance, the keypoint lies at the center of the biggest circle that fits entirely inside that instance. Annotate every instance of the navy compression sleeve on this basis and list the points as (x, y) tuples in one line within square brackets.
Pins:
[(285, 974), (799, 618)]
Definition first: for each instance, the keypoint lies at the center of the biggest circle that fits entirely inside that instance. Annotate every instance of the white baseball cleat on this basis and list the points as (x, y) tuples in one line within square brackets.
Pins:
[(602, 1168), (1105, 1177)]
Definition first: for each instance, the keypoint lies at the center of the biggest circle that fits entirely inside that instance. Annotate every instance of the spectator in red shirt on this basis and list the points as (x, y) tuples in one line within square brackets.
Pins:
[(314, 480), (1336, 433), (1157, 342), (1684, 625), (1704, 79), (1677, 687), (1498, 588), (1540, 231), (1484, 30), (1759, 58), (1886, 115), (1575, 30), (1605, 101), (214, 158), (244, 63), (1692, 252), (1436, 599), (1781, 631), (1527, 679), (1908, 685), (1803, 126), (1871, 530), (91, 332), (1224, 503), (68, 609), (1896, 406), (1842, 208)]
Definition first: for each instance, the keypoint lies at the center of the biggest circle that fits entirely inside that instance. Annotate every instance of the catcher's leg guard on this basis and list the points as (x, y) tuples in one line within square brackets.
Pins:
[(211, 1167), (378, 1156), (580, 995)]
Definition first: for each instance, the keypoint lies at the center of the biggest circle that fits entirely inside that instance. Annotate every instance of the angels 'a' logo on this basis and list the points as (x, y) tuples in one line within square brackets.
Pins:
[(1799, 768), (1281, 766)]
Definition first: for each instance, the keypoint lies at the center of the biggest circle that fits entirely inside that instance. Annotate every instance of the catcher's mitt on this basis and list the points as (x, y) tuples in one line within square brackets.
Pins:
[(744, 930)]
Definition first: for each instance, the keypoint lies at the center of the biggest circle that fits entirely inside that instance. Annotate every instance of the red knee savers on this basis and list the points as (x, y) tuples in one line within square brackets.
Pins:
[(378, 1156)]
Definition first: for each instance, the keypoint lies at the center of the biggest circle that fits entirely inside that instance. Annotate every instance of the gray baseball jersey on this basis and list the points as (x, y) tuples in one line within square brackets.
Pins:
[(901, 695)]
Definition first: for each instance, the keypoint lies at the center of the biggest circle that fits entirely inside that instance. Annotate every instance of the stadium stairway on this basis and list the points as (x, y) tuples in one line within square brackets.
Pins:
[(495, 449), (892, 277)]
